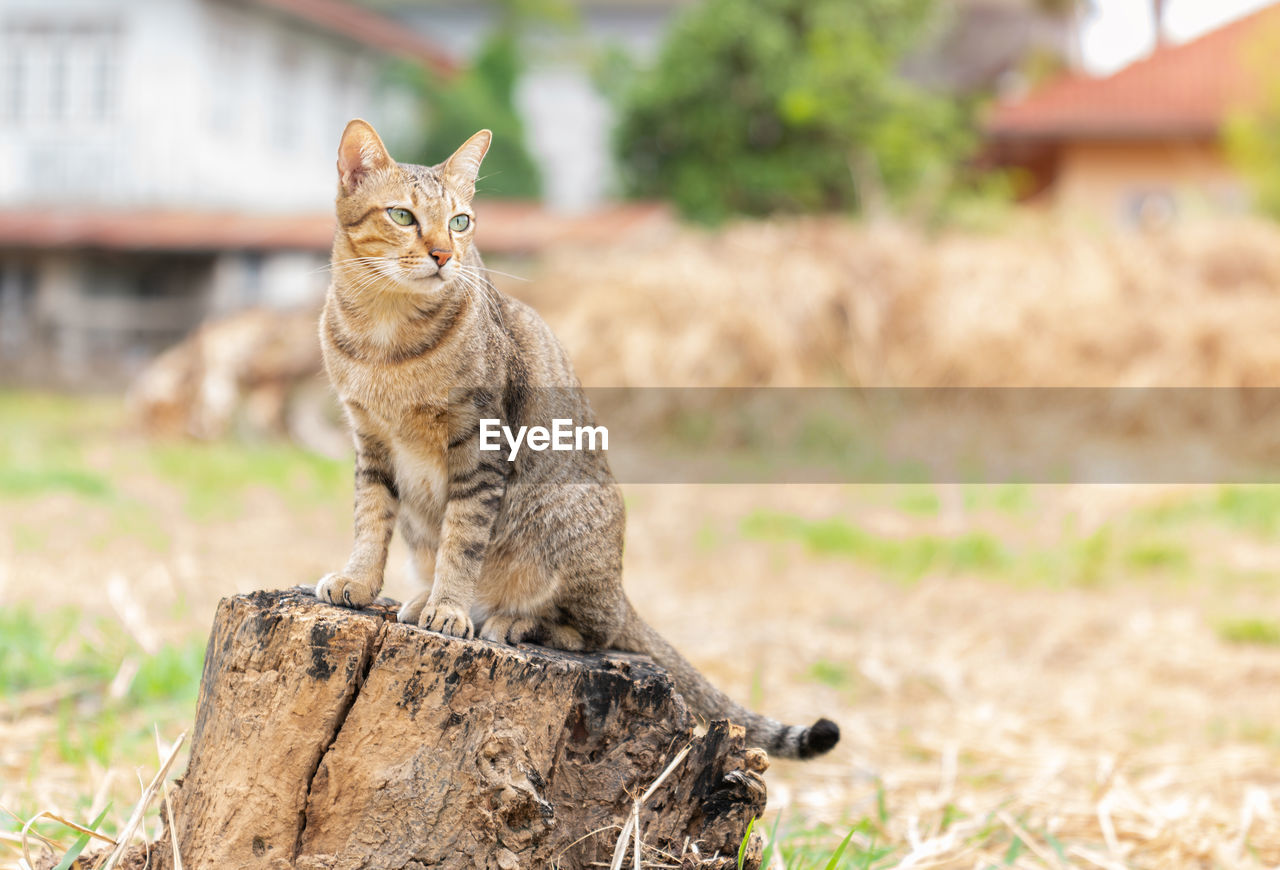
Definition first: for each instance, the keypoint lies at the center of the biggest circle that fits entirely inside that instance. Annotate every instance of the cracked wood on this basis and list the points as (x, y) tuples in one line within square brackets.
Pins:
[(334, 738)]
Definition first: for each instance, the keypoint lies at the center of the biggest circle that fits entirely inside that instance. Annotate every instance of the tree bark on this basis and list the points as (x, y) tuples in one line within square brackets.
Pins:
[(334, 738)]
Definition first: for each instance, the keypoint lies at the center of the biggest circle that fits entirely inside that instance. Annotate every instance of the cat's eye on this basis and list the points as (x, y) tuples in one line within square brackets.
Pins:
[(402, 216), (459, 222)]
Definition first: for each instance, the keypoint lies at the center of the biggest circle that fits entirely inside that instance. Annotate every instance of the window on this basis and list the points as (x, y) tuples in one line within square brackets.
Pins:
[(57, 107), (58, 73), (13, 85), (287, 104), (227, 64), (102, 102), (341, 95)]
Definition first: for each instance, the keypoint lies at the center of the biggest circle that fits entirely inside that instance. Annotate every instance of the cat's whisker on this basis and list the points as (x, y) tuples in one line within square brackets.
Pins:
[(371, 279), (476, 285), (348, 262), (488, 271)]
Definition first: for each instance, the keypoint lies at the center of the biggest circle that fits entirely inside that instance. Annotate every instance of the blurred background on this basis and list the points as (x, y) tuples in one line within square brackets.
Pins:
[(694, 193)]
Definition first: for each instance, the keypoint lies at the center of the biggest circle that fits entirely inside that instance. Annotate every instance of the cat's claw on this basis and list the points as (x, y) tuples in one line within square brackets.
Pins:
[(447, 619), (502, 628), (343, 590)]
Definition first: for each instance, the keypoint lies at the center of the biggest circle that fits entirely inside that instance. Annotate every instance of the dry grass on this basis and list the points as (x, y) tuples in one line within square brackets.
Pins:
[(1095, 688), (804, 302)]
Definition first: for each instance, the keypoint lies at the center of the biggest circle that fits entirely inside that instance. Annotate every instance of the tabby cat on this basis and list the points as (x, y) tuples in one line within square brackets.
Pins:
[(421, 348)]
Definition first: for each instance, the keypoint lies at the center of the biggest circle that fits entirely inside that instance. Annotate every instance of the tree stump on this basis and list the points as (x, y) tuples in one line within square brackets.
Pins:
[(335, 738)]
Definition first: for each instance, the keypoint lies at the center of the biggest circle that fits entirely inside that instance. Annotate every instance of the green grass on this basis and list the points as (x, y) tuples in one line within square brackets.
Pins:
[(837, 675), (215, 477), (1250, 630), (47, 448), (1121, 550), (1249, 508), (827, 847), (64, 646), (75, 656), (906, 559), (41, 444), (26, 482), (44, 649)]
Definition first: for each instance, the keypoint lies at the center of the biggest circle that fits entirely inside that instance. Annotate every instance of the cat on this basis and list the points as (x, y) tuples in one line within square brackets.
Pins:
[(421, 348)]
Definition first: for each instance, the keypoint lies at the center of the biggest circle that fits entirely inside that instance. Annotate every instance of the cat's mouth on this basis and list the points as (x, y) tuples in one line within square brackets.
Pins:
[(428, 276)]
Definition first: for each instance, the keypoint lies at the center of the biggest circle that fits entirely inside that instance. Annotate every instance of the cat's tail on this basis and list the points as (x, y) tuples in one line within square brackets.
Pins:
[(787, 741)]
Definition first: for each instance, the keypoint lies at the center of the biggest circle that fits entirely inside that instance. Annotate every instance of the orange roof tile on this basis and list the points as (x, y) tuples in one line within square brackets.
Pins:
[(1178, 91), (363, 25)]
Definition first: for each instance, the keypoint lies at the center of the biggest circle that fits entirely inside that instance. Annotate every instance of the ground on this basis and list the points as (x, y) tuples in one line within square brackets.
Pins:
[(1024, 675)]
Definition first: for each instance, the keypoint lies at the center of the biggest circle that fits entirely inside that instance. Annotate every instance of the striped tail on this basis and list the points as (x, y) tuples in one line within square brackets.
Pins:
[(786, 741)]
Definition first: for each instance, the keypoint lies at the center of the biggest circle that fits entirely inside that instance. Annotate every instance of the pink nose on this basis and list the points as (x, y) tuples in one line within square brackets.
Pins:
[(441, 257)]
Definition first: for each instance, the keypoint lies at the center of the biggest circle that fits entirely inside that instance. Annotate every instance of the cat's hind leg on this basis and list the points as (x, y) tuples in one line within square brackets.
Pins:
[(506, 628)]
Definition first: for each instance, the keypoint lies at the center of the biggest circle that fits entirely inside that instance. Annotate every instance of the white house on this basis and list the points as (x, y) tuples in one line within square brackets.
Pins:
[(164, 159)]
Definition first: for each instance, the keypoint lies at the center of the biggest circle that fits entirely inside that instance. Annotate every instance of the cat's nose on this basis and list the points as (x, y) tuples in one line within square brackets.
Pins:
[(440, 256)]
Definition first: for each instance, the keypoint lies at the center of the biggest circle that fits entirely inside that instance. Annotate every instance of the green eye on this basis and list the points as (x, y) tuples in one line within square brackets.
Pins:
[(459, 222), (402, 216)]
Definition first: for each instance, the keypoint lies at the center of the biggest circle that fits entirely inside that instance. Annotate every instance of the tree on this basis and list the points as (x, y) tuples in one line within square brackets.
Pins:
[(758, 106), (484, 96), (1251, 132)]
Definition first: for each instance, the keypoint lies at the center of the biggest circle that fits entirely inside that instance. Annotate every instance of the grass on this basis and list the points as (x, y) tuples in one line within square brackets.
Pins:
[(46, 450), (906, 559), (61, 664), (216, 477), (1139, 546), (69, 670), (1250, 630), (1254, 509), (827, 847)]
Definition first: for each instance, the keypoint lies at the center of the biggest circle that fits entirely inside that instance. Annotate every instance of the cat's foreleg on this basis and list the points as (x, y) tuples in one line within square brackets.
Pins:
[(376, 502), (475, 494), (422, 570)]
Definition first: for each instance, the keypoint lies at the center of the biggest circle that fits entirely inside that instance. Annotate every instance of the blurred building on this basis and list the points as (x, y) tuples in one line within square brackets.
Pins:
[(988, 46), (1143, 143), (161, 160)]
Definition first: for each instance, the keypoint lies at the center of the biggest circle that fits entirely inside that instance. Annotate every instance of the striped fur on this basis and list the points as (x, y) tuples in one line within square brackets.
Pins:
[(420, 347)]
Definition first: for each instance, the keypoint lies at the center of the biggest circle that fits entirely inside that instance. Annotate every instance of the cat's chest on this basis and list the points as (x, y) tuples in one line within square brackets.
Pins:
[(422, 478), (413, 426)]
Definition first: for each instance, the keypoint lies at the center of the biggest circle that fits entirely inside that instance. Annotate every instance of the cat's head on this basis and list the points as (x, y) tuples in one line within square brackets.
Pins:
[(412, 226)]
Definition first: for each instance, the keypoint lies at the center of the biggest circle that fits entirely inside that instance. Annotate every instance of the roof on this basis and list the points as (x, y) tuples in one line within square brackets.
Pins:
[(1178, 91), (502, 227), (368, 27)]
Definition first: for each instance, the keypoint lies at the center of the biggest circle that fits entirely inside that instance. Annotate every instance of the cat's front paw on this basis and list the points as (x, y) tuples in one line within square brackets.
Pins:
[(447, 618), (344, 590)]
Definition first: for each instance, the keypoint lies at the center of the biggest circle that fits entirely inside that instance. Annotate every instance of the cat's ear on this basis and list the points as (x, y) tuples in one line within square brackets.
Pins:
[(461, 169), (359, 153)]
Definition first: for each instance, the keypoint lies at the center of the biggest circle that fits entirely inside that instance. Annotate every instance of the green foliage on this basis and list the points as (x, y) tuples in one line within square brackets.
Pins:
[(481, 96), (760, 106), (1251, 133)]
